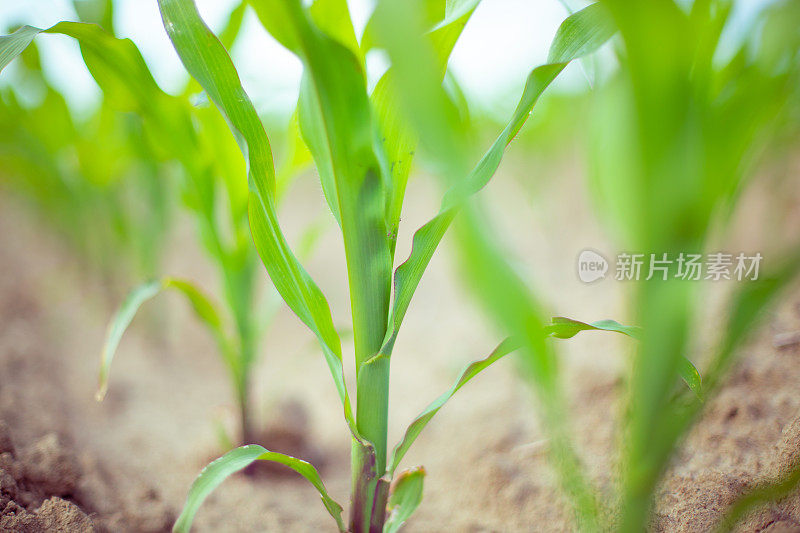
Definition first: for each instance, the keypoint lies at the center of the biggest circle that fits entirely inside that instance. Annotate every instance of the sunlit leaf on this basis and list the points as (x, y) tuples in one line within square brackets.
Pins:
[(565, 328)]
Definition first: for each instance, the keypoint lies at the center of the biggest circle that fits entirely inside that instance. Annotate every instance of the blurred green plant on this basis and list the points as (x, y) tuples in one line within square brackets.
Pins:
[(690, 125), (677, 135), (195, 137), (97, 180)]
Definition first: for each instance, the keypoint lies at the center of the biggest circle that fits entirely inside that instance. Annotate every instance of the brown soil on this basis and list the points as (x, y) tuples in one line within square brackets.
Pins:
[(70, 464)]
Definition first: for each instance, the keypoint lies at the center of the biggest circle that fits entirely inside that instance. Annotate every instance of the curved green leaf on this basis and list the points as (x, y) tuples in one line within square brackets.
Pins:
[(207, 61), (335, 120), (98, 11), (205, 310), (419, 423), (117, 327), (565, 328), (233, 26), (106, 53), (580, 34), (405, 498), (296, 158), (13, 45), (235, 460)]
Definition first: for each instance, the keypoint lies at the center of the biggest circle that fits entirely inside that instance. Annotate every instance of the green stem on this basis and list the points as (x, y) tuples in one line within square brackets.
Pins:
[(369, 275), (238, 282), (245, 422)]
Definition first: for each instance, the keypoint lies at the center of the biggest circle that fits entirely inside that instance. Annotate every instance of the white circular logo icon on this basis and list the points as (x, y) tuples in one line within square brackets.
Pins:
[(591, 266)]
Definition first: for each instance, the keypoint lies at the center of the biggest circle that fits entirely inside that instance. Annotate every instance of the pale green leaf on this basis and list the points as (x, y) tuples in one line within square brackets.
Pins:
[(396, 135), (565, 328), (205, 310), (335, 119), (13, 45), (333, 17), (235, 460)]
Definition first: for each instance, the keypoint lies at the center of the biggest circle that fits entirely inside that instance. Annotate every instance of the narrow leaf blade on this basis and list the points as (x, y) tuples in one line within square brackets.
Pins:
[(201, 304), (122, 319), (566, 328), (419, 423), (235, 460), (13, 45)]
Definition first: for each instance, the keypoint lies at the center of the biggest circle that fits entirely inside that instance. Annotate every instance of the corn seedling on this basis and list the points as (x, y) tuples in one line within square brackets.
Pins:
[(237, 331), (362, 145)]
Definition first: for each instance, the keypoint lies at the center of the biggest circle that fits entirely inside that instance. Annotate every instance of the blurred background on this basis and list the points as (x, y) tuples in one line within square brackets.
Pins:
[(90, 206)]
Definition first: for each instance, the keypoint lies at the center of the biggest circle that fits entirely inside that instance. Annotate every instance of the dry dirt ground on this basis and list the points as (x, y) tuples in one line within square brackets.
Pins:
[(68, 463)]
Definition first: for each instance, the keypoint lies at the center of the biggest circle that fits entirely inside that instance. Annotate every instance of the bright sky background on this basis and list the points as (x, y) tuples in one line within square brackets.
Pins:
[(502, 42)]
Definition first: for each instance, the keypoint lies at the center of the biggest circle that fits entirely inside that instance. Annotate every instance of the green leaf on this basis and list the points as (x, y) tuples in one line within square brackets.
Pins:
[(127, 84), (565, 328), (117, 327), (405, 498), (97, 11), (333, 17), (335, 119), (235, 460), (202, 305), (232, 28), (207, 61), (596, 30), (205, 310), (296, 158), (396, 135), (419, 423)]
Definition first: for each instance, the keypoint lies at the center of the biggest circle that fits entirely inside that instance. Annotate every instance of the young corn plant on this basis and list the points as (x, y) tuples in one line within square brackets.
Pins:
[(238, 325), (362, 144), (678, 133), (197, 138)]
